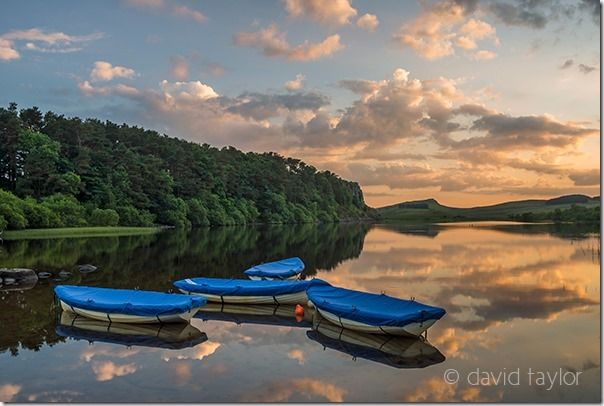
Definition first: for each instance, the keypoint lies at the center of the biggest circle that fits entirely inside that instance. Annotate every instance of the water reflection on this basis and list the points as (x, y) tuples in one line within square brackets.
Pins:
[(173, 336), (398, 352), (282, 315), (516, 296)]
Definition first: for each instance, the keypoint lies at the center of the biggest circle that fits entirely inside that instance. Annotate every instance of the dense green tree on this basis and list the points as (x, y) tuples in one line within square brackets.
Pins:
[(37, 156), (103, 217), (147, 177), (70, 212), (130, 216)]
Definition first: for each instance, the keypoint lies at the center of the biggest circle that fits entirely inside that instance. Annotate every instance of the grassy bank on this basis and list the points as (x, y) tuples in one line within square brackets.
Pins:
[(73, 232)]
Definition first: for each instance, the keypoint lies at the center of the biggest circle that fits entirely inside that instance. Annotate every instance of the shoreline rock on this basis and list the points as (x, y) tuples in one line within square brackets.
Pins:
[(18, 278)]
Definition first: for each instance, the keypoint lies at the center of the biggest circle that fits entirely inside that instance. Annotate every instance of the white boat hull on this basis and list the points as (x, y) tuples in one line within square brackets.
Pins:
[(291, 298), (129, 318), (411, 329), (266, 278)]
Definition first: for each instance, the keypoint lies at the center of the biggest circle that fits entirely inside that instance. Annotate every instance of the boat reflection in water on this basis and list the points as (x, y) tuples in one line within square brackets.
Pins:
[(394, 351), (282, 315), (173, 336)]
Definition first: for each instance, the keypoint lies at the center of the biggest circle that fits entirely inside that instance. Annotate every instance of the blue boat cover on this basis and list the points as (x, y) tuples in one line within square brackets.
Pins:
[(372, 309), (124, 301), (245, 287), (283, 269)]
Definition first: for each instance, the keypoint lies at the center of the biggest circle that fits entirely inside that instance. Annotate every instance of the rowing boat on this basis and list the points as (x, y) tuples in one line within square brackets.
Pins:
[(371, 313), (127, 306), (289, 268), (244, 291)]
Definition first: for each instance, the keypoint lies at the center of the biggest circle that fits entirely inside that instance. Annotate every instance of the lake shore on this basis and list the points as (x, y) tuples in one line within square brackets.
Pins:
[(76, 232)]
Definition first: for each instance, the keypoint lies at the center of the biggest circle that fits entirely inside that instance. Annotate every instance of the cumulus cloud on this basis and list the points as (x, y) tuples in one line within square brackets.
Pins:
[(586, 68), (30, 46), (295, 84), (536, 14), (505, 132), (567, 64), (388, 111), (107, 370), (8, 392), (184, 11), (243, 121), (298, 355), (441, 27), (472, 31), (175, 92), (50, 38), (383, 138), (583, 68), (521, 13), (309, 388), (593, 8), (484, 55), (401, 176), (55, 396), (368, 22), (333, 12), (360, 87), (588, 177), (105, 71), (438, 390), (179, 67), (273, 43), (120, 89), (173, 9), (198, 353), (260, 106), (7, 52), (42, 41), (388, 154)]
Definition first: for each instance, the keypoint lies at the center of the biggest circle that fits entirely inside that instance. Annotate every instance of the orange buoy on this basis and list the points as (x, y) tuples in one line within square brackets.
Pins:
[(299, 312)]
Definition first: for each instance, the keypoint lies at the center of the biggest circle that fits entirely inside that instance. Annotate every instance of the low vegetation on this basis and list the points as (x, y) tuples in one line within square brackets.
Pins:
[(74, 232)]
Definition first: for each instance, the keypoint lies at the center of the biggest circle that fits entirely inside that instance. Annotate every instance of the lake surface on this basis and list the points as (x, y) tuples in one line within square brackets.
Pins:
[(522, 300)]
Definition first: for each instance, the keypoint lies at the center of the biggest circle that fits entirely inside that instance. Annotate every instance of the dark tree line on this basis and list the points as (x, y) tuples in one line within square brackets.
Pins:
[(575, 214), (57, 171)]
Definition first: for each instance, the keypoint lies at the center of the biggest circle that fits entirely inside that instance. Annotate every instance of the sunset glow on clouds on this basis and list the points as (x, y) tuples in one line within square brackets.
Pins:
[(467, 101)]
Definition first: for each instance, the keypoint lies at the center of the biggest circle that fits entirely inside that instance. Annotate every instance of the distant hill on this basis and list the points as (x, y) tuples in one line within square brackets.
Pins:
[(430, 210)]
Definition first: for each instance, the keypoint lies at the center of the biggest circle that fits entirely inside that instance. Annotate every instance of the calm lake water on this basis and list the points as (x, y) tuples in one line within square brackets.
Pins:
[(523, 302)]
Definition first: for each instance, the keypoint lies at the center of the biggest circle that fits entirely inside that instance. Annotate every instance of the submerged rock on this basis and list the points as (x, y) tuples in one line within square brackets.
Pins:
[(87, 268), (18, 274), (44, 275), (64, 274), (18, 278)]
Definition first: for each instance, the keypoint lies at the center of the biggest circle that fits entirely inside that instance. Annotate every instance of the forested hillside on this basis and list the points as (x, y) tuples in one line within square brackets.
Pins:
[(57, 171)]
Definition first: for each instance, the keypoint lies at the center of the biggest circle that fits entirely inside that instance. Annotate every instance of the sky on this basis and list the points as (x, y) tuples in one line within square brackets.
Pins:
[(471, 102)]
